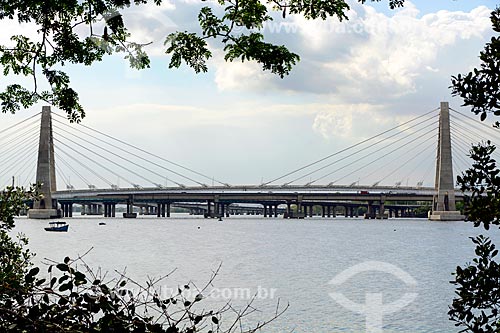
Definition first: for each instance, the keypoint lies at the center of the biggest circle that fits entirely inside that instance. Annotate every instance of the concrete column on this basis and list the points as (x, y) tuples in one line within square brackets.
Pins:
[(381, 210), (369, 210), (163, 209), (346, 212), (311, 211), (209, 208), (113, 210), (158, 210), (329, 212), (443, 208), (45, 172), (275, 210)]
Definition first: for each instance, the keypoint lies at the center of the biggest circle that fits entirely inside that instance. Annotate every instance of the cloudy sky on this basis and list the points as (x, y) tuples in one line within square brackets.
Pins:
[(242, 125)]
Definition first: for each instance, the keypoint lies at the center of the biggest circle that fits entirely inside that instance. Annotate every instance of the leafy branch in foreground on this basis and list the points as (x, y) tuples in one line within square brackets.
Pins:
[(476, 307), (75, 298), (482, 184), (83, 32), (15, 259)]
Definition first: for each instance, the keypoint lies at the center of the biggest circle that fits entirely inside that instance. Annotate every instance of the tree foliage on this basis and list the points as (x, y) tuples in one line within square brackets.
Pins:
[(60, 41), (482, 183), (15, 259), (476, 307), (73, 298)]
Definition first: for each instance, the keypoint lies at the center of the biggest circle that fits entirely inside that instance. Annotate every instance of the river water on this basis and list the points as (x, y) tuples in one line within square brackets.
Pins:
[(290, 261)]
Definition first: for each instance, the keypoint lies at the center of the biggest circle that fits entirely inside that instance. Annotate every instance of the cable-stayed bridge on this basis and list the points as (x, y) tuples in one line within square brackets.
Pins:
[(390, 173)]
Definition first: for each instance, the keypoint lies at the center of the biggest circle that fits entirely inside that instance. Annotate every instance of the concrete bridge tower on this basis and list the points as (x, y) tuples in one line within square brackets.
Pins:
[(46, 207), (443, 206)]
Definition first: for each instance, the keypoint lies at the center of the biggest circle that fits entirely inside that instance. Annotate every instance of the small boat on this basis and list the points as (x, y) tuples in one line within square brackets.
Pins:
[(57, 226), (102, 223)]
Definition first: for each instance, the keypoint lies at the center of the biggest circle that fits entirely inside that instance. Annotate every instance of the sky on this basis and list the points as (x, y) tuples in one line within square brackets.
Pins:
[(245, 126)]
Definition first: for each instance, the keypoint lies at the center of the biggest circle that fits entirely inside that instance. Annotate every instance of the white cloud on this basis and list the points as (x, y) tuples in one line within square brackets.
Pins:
[(396, 55), (373, 56), (235, 75), (341, 120)]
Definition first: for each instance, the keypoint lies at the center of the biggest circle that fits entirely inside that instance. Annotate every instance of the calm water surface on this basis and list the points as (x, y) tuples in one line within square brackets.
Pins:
[(294, 260)]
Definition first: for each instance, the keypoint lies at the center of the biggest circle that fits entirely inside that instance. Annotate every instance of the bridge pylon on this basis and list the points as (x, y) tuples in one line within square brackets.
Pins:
[(443, 205), (46, 207)]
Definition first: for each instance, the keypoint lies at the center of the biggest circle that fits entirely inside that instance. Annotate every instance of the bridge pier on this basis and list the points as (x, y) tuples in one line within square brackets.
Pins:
[(130, 210), (209, 209), (109, 209), (381, 211), (67, 209), (443, 207), (46, 207), (370, 214)]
